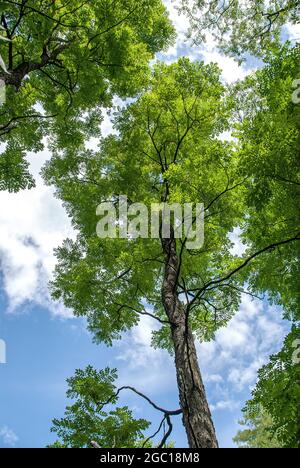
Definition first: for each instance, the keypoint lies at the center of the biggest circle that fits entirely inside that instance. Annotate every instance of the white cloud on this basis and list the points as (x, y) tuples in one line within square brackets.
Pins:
[(180, 22), (238, 247), (149, 369), (229, 405), (293, 32), (231, 70), (236, 335), (215, 378), (8, 436), (246, 376), (33, 223), (231, 362), (226, 136), (241, 349)]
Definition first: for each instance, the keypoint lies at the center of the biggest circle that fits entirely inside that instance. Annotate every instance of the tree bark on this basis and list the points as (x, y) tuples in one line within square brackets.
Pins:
[(196, 413)]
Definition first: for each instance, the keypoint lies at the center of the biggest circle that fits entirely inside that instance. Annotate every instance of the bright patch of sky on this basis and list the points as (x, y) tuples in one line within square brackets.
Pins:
[(8, 437)]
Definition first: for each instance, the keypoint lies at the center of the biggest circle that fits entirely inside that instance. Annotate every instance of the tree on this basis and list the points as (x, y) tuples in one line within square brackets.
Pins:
[(269, 142), (63, 62), (241, 27), (86, 422), (278, 391), (167, 150), (259, 433), (269, 149)]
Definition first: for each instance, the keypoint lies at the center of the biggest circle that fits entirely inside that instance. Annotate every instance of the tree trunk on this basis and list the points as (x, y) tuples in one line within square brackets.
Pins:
[(196, 414)]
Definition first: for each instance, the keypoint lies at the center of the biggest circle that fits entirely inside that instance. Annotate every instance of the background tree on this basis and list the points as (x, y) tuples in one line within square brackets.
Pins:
[(278, 391), (269, 141), (259, 432), (64, 61), (241, 27)]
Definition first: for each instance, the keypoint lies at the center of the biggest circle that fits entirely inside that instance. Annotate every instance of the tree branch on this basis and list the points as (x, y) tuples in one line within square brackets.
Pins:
[(132, 389), (241, 267)]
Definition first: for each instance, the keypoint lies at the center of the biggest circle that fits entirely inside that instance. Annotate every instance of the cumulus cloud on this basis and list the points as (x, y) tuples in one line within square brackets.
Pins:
[(33, 223), (231, 70), (229, 405), (8, 436), (240, 350), (141, 364), (293, 32)]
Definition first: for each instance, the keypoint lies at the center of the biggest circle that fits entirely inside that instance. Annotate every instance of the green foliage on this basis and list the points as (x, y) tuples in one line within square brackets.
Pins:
[(259, 433), (86, 420), (278, 392), (269, 142), (65, 61), (241, 27), (167, 140)]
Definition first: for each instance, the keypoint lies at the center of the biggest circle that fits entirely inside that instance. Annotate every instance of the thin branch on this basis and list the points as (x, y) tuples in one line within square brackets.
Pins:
[(155, 434), (167, 435), (242, 266), (142, 312), (156, 407)]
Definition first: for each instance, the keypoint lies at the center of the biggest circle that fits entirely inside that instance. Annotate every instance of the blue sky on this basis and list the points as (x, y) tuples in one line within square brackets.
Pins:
[(43, 350), (45, 344)]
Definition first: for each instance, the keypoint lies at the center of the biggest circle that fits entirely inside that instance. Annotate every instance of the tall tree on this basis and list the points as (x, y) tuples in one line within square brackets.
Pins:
[(61, 62), (241, 27), (167, 150)]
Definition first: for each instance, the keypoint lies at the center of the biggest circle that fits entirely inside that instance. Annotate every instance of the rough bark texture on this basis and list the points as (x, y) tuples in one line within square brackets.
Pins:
[(196, 414)]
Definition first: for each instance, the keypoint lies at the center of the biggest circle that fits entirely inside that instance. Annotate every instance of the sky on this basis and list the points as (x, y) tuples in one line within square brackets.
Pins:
[(45, 343)]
